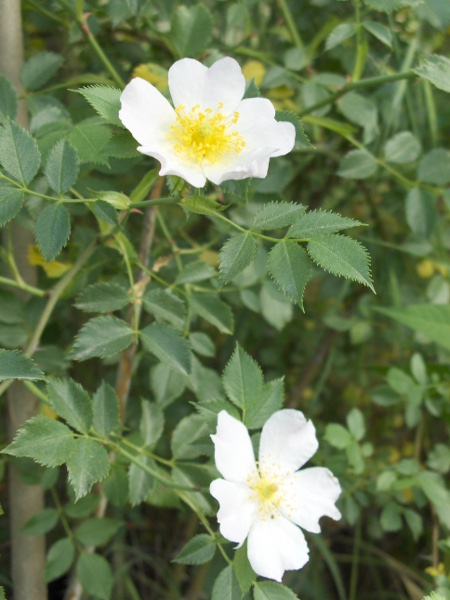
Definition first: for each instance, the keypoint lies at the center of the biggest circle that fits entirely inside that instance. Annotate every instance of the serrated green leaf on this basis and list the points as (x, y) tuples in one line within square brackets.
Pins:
[(87, 465), (431, 320), (269, 590), (403, 148), (363, 112), (39, 69), (382, 33), (290, 267), (11, 200), (211, 308), (95, 575), (71, 402), (270, 400), (15, 365), (226, 586), (434, 167), (242, 568), (102, 297), (19, 153), (59, 559), (342, 256), (140, 481), (195, 272), (98, 531), (105, 212), (48, 442), (301, 139), (193, 477), (320, 222), (61, 170), (8, 100), (166, 307), (277, 214), (167, 345), (340, 33), (242, 379), (236, 254), (201, 205), (357, 164), (209, 409), (105, 406), (89, 140), (122, 145), (41, 522), (151, 424), (199, 550), (102, 336), (166, 384), (436, 70), (191, 30), (202, 344), (105, 100), (52, 230), (188, 431), (421, 212)]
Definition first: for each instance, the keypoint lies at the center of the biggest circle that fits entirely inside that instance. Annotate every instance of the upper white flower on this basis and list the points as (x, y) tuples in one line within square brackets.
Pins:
[(212, 133), (264, 501)]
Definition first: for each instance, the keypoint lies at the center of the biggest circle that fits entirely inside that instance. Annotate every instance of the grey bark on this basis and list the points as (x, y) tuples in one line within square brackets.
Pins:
[(27, 552)]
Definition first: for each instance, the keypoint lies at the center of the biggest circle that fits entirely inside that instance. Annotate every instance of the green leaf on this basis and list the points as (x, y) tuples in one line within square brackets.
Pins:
[(244, 572), (122, 145), (301, 139), (340, 33), (269, 590), (87, 465), (363, 112), (435, 489), (226, 586), (188, 431), (195, 272), (52, 230), (431, 320), (390, 518), (270, 401), (236, 254), (82, 508), (382, 33), (151, 424), (165, 306), (48, 442), (199, 550), (338, 436), (191, 30), (357, 164), (41, 522), (166, 384), (212, 309), (19, 153), (104, 211), (436, 70), (421, 212), (277, 214), (89, 140), (414, 522), (102, 336), (106, 409), (39, 69), (356, 424), (167, 345), (59, 559), (202, 344), (61, 170), (71, 402), (95, 575), (140, 481), (11, 200), (115, 486), (96, 532), (320, 222), (102, 297), (201, 205), (242, 379), (402, 148), (290, 268), (209, 409), (106, 101), (276, 309), (8, 100), (342, 256), (15, 365), (434, 167)]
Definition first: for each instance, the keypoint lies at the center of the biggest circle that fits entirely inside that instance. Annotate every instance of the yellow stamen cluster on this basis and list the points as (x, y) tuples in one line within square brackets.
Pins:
[(205, 134), (268, 490)]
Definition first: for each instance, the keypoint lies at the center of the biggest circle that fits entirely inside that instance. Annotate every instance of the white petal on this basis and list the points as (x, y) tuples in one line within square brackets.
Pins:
[(275, 546), (288, 440), (188, 82), (146, 113), (172, 163), (311, 494), (226, 85), (237, 511), (234, 454)]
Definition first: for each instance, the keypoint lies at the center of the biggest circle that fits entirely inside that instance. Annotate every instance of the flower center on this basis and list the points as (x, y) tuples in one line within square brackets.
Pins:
[(268, 490), (205, 134)]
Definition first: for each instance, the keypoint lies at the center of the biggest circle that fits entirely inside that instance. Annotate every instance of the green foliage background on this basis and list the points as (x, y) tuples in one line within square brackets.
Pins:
[(255, 295)]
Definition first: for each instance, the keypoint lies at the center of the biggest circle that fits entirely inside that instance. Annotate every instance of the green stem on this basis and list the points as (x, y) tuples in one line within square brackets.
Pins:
[(48, 14), (290, 23), (23, 286), (355, 562), (431, 111), (361, 46), (159, 201), (163, 461), (36, 391)]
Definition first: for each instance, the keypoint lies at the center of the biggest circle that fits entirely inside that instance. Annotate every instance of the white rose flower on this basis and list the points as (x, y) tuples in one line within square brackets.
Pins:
[(264, 501), (212, 133)]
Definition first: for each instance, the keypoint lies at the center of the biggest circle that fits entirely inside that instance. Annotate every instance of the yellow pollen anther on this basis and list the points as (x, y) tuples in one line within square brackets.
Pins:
[(205, 134)]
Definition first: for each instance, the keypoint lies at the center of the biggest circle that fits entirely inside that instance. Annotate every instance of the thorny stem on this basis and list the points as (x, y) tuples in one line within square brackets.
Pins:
[(284, 7)]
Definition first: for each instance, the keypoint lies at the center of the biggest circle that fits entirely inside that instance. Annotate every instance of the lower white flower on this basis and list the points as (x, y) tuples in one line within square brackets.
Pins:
[(264, 501), (212, 133)]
